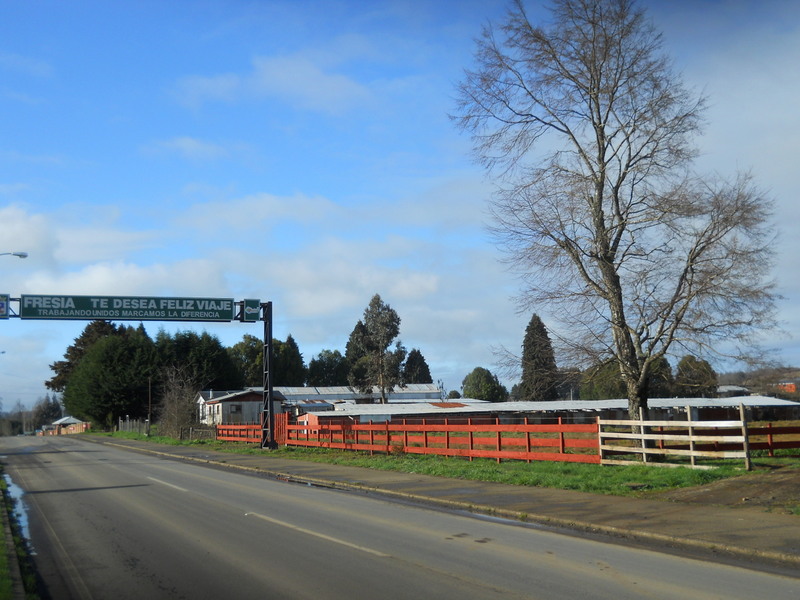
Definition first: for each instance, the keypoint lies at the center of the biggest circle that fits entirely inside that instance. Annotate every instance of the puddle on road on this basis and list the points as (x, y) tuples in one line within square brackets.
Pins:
[(20, 509)]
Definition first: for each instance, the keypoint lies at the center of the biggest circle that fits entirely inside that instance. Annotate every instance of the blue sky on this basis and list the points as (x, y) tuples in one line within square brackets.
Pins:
[(300, 152)]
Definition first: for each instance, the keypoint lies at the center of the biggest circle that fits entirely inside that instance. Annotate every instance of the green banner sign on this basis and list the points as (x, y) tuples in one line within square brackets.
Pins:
[(126, 308), (251, 311), (4, 310)]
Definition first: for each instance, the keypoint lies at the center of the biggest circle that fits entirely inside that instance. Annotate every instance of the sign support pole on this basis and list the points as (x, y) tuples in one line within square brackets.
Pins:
[(268, 412)]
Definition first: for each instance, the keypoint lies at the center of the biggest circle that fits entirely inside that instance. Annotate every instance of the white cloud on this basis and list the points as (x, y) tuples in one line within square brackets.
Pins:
[(37, 159), (301, 83), (257, 211), (195, 277), (193, 91), (101, 242), (190, 148), (21, 231), (296, 80), (25, 64), (12, 189)]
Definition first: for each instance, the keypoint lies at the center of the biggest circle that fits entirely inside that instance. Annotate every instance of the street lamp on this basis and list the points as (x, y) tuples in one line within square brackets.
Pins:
[(19, 254)]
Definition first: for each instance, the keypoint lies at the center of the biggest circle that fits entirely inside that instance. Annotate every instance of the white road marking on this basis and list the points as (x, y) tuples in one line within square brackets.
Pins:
[(319, 535), (168, 484)]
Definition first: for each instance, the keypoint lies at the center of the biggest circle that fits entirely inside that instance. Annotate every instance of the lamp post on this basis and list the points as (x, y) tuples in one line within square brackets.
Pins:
[(18, 254)]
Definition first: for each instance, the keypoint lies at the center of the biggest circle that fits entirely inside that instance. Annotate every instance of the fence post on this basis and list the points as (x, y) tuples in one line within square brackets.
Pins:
[(770, 449), (498, 438), (691, 435), (642, 433), (527, 439), (746, 441), (599, 439), (561, 441), (469, 438)]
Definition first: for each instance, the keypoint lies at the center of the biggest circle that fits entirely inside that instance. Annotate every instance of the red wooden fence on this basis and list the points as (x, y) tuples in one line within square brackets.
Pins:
[(250, 432), (772, 437), (479, 439), (484, 438)]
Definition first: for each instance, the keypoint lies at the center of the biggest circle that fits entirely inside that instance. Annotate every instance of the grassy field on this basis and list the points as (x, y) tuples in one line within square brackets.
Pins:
[(621, 480)]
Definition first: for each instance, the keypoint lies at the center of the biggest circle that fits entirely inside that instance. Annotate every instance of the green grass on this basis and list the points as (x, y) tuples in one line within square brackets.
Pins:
[(617, 480)]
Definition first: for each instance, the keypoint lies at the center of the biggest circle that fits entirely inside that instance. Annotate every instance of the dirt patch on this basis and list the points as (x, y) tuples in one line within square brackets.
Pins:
[(777, 490)]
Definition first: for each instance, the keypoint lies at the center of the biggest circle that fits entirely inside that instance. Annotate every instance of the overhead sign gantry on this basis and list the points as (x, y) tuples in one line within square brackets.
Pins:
[(153, 308), (137, 308)]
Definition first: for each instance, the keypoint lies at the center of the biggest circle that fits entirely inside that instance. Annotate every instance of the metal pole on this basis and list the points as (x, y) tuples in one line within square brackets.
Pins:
[(268, 411), (149, 403)]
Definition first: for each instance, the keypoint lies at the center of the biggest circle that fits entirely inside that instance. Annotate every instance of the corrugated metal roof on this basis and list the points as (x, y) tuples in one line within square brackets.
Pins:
[(556, 406), (67, 421)]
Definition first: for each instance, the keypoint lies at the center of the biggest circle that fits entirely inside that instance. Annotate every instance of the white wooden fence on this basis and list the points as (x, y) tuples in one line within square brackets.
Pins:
[(619, 439)]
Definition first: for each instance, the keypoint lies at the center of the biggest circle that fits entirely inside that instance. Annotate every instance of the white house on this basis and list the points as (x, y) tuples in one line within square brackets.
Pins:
[(245, 406)]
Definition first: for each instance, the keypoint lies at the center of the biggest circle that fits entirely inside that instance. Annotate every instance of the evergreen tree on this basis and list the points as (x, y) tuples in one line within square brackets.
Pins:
[(415, 369), (662, 384), (375, 364), (247, 357), (602, 382), (93, 332), (695, 378), (288, 368), (569, 383), (201, 357), (539, 371), (354, 351), (328, 368), (45, 411), (482, 384), (111, 380)]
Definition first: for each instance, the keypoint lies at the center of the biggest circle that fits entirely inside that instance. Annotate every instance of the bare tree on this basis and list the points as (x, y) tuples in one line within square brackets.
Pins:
[(177, 409), (589, 135)]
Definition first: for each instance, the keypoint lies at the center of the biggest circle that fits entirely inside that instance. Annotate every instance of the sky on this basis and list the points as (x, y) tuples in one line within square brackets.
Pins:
[(300, 152)]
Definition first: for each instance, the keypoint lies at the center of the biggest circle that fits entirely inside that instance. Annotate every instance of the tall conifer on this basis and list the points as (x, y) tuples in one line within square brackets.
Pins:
[(539, 372)]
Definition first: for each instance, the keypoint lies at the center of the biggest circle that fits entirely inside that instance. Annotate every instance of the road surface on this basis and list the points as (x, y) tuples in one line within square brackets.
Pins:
[(111, 524)]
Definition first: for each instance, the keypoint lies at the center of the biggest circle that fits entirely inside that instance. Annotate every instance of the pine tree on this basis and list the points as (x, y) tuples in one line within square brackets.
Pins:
[(288, 367), (415, 369), (539, 371), (94, 331)]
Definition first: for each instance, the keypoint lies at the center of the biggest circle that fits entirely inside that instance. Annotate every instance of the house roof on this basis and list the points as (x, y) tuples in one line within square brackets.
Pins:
[(479, 407), (413, 392), (67, 421)]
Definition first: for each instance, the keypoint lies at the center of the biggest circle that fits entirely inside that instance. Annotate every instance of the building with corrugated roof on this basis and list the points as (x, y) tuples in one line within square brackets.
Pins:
[(245, 406)]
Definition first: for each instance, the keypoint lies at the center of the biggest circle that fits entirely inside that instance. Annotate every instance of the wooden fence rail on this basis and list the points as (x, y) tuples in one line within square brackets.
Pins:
[(693, 439), (526, 441), (771, 437), (606, 442), (248, 432)]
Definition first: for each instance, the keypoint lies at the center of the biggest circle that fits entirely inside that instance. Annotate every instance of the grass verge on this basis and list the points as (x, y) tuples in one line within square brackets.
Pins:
[(618, 480)]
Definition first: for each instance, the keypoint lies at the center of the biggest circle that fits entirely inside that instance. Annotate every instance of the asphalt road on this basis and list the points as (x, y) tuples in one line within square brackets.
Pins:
[(111, 524)]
